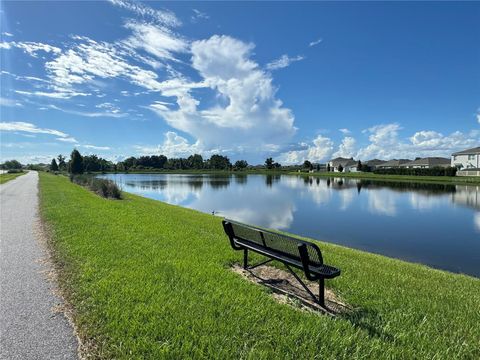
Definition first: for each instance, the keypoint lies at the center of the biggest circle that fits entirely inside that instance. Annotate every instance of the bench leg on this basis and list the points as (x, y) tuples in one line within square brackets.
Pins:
[(245, 258), (321, 292)]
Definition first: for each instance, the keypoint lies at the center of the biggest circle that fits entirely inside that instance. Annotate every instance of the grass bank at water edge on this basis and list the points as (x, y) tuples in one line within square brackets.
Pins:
[(9, 176), (453, 180), (149, 280)]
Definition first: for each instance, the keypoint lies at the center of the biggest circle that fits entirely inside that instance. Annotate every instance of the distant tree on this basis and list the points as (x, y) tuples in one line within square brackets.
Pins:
[(176, 164), (129, 162), (277, 165), (340, 168), (158, 161), (359, 166), (195, 161), (53, 165), (11, 164), (328, 167), (307, 165), (269, 163), (62, 165), (76, 162), (219, 162), (240, 164), (95, 163), (317, 168)]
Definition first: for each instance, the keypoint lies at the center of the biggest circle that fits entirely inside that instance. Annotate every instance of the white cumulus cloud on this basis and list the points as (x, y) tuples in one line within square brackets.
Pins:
[(246, 115), (346, 148), (319, 150)]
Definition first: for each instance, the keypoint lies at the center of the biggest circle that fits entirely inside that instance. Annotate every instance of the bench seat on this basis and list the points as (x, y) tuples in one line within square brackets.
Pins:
[(326, 271)]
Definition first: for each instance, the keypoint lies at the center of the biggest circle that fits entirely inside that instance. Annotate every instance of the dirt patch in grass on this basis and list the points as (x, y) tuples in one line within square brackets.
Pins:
[(287, 290)]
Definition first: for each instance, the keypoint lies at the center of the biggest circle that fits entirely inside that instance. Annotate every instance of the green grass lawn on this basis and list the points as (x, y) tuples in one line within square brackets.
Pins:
[(148, 280), (7, 177), (455, 180)]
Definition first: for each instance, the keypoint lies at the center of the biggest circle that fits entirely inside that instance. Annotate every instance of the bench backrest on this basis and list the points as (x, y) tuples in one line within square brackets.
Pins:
[(286, 245)]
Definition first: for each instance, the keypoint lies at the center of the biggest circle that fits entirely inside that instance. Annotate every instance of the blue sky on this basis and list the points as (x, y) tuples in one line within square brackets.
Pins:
[(249, 80)]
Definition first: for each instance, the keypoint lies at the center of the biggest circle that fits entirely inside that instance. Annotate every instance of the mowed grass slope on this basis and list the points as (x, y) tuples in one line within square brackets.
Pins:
[(149, 280), (9, 176)]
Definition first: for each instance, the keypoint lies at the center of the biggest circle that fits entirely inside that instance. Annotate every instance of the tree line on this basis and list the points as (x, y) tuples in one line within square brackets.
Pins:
[(78, 164)]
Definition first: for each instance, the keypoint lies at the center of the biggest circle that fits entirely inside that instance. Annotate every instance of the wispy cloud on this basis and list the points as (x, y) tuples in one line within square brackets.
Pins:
[(62, 94), (94, 147), (68, 139), (110, 110), (31, 48), (199, 15), (283, 62), (315, 42), (7, 34), (163, 17), (157, 41), (30, 128), (345, 131), (9, 102)]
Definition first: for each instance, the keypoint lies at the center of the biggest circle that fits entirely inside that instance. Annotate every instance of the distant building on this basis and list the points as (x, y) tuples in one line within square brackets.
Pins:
[(427, 163), (467, 159), (346, 164), (392, 164)]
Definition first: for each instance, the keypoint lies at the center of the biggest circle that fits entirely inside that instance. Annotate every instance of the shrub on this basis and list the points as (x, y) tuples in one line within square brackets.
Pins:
[(14, 171), (435, 171), (103, 187)]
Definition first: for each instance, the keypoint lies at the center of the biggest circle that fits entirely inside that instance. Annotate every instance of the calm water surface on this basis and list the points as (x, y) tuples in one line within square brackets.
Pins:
[(437, 225)]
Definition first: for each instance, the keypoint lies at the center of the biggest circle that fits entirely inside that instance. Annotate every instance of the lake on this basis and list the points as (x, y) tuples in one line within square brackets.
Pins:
[(433, 224)]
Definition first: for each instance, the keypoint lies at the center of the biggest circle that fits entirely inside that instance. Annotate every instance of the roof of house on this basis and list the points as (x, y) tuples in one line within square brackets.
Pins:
[(374, 162), (475, 150), (394, 162), (342, 161), (430, 161)]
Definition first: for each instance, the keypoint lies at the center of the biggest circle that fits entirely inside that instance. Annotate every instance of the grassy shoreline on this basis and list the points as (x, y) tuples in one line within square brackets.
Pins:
[(453, 180), (152, 280), (5, 177)]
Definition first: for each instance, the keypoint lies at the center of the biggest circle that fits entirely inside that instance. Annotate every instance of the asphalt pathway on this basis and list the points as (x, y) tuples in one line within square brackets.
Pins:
[(30, 328)]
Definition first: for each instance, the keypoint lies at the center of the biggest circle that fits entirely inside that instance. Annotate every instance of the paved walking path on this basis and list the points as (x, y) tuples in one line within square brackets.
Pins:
[(29, 328)]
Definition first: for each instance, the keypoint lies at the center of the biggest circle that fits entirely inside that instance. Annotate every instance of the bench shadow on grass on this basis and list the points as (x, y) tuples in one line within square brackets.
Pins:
[(286, 290)]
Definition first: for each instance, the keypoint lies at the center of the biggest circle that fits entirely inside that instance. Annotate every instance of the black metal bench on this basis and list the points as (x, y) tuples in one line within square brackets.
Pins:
[(290, 251)]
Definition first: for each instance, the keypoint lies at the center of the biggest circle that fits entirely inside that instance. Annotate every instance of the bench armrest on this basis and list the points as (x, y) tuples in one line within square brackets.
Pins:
[(227, 226), (302, 249)]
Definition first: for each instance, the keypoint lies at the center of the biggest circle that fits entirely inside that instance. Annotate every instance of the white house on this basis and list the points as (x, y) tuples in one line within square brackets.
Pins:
[(348, 165), (466, 159)]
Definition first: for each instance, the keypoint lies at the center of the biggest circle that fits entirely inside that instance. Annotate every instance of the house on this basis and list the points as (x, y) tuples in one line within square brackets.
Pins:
[(466, 159), (374, 163), (392, 164), (346, 164), (427, 163)]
